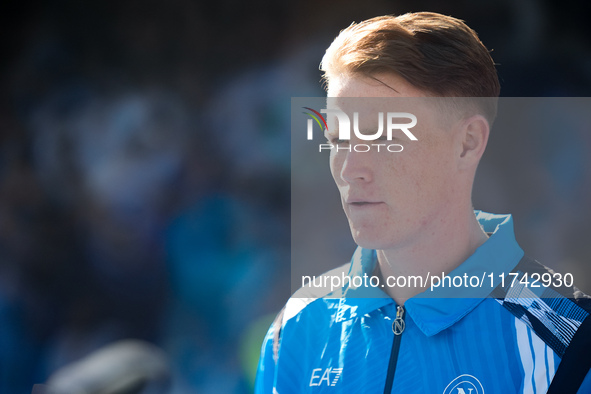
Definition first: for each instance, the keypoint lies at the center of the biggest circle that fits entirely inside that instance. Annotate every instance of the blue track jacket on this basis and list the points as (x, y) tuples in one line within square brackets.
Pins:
[(503, 336)]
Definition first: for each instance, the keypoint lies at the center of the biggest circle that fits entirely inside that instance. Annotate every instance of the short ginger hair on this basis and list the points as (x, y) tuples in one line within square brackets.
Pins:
[(436, 53)]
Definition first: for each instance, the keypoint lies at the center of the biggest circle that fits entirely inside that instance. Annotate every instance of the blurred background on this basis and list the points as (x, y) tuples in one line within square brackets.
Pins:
[(145, 175)]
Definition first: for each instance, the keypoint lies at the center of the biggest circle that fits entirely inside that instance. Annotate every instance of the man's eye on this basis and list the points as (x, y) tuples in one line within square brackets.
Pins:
[(338, 141)]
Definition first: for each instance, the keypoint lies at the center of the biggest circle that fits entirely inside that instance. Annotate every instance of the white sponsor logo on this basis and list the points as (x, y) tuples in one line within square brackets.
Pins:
[(325, 377)]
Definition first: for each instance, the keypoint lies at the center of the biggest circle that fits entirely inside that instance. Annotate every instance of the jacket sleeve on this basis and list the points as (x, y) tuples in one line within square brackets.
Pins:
[(586, 385), (267, 368)]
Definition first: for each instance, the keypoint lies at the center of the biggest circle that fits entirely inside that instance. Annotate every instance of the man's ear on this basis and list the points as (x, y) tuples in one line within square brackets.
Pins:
[(474, 131)]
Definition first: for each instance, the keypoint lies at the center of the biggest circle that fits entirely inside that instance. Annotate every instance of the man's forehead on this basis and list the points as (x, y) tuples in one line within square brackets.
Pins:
[(378, 85), (363, 106), (385, 92)]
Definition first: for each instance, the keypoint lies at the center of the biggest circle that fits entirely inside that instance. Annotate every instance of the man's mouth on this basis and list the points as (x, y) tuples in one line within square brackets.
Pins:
[(362, 203)]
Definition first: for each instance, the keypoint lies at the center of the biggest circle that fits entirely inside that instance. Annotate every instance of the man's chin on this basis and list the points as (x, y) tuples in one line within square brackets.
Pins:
[(369, 242)]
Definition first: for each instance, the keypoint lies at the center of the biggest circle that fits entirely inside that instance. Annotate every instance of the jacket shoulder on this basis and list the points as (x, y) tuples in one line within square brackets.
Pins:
[(553, 312), (301, 300)]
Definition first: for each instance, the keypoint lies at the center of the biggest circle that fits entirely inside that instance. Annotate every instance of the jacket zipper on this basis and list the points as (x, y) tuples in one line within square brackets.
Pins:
[(398, 326)]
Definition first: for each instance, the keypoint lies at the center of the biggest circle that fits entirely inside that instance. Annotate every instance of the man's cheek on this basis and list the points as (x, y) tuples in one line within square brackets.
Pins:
[(336, 165)]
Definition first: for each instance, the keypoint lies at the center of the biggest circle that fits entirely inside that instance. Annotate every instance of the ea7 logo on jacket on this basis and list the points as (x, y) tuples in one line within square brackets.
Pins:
[(325, 377)]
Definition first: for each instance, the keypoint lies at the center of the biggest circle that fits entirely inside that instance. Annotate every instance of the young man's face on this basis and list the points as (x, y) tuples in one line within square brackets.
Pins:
[(394, 199)]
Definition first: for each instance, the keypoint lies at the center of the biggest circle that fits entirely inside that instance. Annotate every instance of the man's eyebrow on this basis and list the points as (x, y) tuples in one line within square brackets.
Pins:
[(383, 83)]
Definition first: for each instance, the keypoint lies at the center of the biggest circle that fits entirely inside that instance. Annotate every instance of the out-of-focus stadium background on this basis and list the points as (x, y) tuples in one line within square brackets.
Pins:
[(145, 172)]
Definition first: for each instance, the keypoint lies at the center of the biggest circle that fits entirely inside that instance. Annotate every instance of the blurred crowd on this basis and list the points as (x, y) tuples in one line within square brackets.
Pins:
[(145, 169)]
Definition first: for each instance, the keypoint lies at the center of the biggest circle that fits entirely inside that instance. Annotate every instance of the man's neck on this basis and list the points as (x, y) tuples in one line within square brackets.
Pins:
[(436, 252)]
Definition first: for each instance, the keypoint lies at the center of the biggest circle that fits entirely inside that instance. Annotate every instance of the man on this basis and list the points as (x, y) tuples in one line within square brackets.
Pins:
[(411, 214)]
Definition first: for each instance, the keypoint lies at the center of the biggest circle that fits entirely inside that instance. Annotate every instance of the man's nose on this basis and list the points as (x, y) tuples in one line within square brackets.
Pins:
[(357, 166)]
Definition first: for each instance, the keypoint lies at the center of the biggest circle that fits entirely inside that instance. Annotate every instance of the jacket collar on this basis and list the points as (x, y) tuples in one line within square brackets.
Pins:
[(441, 307)]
